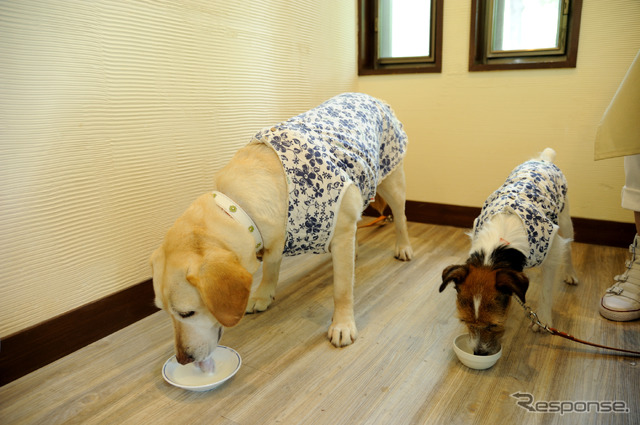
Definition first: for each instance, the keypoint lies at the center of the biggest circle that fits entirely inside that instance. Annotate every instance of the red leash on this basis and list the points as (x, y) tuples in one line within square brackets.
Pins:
[(377, 220), (554, 331), (534, 319)]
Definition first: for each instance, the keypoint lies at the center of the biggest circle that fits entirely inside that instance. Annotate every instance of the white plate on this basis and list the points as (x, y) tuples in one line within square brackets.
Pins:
[(190, 377)]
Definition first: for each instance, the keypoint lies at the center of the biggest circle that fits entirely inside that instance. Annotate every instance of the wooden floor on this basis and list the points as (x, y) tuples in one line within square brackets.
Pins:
[(401, 370)]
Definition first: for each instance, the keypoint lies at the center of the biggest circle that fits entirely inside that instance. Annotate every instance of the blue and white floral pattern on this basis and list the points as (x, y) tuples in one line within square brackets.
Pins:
[(352, 138), (535, 191)]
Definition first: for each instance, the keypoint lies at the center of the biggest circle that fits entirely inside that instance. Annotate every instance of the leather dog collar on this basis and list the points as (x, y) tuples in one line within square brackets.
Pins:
[(234, 211)]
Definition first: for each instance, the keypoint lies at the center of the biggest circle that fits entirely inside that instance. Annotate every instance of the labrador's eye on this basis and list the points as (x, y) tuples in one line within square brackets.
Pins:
[(187, 314)]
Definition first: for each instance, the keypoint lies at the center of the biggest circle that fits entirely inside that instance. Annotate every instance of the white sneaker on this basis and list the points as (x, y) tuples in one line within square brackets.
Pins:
[(621, 302)]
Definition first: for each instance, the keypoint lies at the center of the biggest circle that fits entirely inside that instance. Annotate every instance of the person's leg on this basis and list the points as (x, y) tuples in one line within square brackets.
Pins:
[(621, 302)]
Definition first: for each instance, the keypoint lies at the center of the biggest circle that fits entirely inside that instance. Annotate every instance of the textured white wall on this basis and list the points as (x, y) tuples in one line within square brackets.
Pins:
[(468, 130), (114, 115)]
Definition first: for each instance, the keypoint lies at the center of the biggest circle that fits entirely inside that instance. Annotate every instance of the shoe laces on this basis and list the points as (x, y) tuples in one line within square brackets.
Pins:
[(615, 289), (623, 278)]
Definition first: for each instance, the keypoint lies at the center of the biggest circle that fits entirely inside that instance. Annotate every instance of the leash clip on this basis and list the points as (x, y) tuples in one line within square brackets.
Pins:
[(531, 315), (534, 319)]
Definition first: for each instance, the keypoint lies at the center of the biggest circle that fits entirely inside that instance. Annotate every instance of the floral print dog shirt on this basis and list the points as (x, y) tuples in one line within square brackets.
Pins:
[(352, 138), (535, 191)]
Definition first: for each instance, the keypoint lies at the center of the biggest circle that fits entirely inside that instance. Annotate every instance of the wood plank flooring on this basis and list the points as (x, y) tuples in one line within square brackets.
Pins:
[(401, 370)]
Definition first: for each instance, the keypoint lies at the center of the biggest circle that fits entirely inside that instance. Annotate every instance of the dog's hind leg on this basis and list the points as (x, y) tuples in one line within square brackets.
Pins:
[(393, 189), (343, 329)]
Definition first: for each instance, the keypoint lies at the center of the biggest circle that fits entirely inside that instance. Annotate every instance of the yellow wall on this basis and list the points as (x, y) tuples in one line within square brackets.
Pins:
[(468, 130)]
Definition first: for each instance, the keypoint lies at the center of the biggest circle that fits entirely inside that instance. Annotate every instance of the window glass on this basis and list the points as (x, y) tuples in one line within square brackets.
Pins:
[(524, 34), (404, 28), (526, 24), (399, 36)]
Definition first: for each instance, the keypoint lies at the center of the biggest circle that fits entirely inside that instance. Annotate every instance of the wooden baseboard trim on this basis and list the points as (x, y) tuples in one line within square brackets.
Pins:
[(603, 232), (33, 348), (442, 214), (597, 232)]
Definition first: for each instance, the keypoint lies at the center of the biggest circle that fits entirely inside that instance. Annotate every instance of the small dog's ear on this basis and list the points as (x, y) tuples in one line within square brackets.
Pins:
[(456, 273), (510, 282)]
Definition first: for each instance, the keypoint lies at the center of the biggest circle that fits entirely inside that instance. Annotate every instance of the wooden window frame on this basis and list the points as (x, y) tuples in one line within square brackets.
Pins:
[(369, 64), (479, 60)]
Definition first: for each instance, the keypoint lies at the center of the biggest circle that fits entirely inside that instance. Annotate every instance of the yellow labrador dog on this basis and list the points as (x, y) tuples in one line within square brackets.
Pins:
[(297, 187)]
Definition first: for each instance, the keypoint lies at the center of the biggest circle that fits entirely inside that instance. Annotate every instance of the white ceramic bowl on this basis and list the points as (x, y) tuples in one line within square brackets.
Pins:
[(462, 348), (190, 377)]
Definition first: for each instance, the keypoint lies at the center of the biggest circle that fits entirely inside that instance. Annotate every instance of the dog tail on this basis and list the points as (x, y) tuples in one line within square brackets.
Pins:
[(548, 155)]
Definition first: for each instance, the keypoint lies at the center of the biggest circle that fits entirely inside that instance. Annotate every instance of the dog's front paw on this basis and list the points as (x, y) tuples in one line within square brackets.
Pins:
[(258, 304), (342, 334), (404, 253), (571, 279), (260, 299)]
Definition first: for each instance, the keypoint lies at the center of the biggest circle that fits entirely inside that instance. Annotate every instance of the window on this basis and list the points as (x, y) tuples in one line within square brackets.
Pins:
[(399, 36), (524, 34)]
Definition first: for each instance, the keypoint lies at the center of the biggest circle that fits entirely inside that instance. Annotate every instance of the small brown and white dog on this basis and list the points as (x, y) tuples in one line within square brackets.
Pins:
[(300, 186), (523, 224)]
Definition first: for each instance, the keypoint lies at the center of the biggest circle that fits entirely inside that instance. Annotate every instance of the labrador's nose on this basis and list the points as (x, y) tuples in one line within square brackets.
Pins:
[(184, 358)]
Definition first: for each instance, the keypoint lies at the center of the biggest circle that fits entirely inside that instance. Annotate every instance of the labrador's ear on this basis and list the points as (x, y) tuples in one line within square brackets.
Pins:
[(511, 282), (157, 270), (456, 273), (224, 285)]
